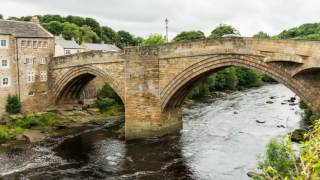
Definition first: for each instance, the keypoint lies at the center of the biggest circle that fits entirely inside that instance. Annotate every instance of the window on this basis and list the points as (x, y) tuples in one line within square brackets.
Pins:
[(29, 44), (5, 81), (67, 52), (23, 43), (35, 44), (29, 60), (4, 63), (43, 75), (44, 44), (43, 61), (30, 77), (39, 44), (3, 43), (31, 93)]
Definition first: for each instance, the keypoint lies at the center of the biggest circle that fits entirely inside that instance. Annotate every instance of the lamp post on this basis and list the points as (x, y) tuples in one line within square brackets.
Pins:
[(167, 35)]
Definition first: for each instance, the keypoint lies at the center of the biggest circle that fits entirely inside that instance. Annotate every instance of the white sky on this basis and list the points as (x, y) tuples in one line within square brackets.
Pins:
[(142, 17)]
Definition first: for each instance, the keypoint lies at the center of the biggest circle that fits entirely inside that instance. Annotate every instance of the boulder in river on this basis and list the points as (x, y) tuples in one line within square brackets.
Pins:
[(273, 97), (269, 102), (281, 126), (298, 135), (253, 174), (260, 121), (34, 135)]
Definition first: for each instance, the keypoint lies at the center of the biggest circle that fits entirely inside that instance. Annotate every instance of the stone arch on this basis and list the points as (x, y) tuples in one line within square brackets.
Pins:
[(177, 89), (74, 80)]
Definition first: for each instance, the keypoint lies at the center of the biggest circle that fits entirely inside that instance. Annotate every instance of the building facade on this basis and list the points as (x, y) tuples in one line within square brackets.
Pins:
[(66, 47), (25, 52)]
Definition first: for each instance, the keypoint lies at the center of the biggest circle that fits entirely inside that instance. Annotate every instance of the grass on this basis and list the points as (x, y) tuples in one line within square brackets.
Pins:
[(18, 127)]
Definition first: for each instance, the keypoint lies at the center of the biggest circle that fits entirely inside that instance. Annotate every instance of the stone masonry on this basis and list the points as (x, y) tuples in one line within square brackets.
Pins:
[(153, 81)]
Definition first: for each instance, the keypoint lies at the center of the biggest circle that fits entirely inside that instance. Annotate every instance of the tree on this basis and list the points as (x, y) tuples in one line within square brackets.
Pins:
[(93, 24), (88, 36), (13, 104), (54, 27), (108, 35), (1, 16), (13, 18), (223, 29), (305, 31), (71, 31), (188, 36), (79, 21), (261, 35), (48, 18), (154, 39), (124, 38)]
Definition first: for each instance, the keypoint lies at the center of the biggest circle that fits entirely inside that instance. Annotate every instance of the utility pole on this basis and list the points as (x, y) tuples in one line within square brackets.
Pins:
[(167, 34)]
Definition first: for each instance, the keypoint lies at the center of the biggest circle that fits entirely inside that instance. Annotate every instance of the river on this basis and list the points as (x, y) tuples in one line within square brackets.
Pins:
[(220, 139)]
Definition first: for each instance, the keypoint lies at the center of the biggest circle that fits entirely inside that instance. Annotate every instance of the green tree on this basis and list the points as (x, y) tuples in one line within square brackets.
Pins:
[(95, 26), (188, 36), (261, 35), (79, 21), (223, 29), (1, 16), (71, 31), (108, 35), (54, 27), (124, 38), (48, 18), (154, 39), (13, 104), (305, 31), (13, 18), (88, 36)]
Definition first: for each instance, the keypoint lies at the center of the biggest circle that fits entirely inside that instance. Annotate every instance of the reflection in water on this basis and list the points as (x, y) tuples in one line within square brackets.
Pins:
[(220, 140)]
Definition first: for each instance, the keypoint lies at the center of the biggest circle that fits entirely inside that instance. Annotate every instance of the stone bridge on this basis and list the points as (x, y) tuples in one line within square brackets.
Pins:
[(153, 81)]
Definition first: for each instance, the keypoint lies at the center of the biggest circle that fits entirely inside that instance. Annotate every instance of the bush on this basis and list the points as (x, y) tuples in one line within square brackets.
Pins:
[(3, 133), (13, 104), (42, 121), (309, 117), (107, 98), (279, 160)]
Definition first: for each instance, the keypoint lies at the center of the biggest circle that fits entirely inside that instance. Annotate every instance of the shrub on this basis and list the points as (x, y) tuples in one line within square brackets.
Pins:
[(309, 117), (13, 104), (279, 161), (3, 133), (43, 121), (107, 98)]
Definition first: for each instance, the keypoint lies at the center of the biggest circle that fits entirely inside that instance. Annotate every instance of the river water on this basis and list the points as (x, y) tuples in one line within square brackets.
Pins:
[(221, 139)]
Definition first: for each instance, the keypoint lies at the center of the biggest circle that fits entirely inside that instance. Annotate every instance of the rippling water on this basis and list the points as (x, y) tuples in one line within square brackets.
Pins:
[(220, 140)]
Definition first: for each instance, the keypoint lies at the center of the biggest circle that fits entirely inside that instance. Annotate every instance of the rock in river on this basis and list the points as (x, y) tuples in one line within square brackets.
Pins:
[(260, 121), (298, 135)]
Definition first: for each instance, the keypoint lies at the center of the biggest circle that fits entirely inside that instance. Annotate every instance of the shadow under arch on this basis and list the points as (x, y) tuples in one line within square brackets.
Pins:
[(174, 93), (71, 84)]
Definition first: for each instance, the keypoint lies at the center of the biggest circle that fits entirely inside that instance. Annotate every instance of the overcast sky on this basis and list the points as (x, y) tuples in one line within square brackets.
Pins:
[(142, 17)]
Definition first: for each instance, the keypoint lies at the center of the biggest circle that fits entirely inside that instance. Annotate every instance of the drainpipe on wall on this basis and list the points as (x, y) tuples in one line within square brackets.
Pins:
[(18, 68)]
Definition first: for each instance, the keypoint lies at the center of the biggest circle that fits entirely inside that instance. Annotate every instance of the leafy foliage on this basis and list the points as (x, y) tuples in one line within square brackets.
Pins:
[(261, 35), (13, 104), (189, 36), (309, 117), (45, 120), (108, 99), (223, 29), (305, 31), (154, 39)]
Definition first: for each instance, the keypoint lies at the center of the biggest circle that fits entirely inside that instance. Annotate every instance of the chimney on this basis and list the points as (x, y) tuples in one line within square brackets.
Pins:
[(35, 19)]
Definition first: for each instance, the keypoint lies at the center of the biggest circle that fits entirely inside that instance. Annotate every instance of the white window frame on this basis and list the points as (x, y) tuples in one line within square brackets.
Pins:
[(43, 76), (2, 82), (31, 77), (1, 64), (24, 43), (67, 51), (34, 44), (43, 60), (44, 44), (40, 44), (30, 60), (5, 41), (29, 44)]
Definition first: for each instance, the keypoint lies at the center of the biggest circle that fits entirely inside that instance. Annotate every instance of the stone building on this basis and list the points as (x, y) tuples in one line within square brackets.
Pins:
[(26, 48), (66, 47)]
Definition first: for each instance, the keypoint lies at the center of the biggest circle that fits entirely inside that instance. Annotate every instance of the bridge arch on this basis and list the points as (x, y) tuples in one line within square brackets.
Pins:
[(177, 89), (71, 83)]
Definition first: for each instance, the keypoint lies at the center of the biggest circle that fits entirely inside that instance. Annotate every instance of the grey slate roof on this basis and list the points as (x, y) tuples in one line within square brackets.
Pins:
[(101, 47), (23, 29), (67, 44)]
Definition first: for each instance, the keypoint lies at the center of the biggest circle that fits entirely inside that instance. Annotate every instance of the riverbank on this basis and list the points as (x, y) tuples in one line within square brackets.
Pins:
[(39, 127)]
